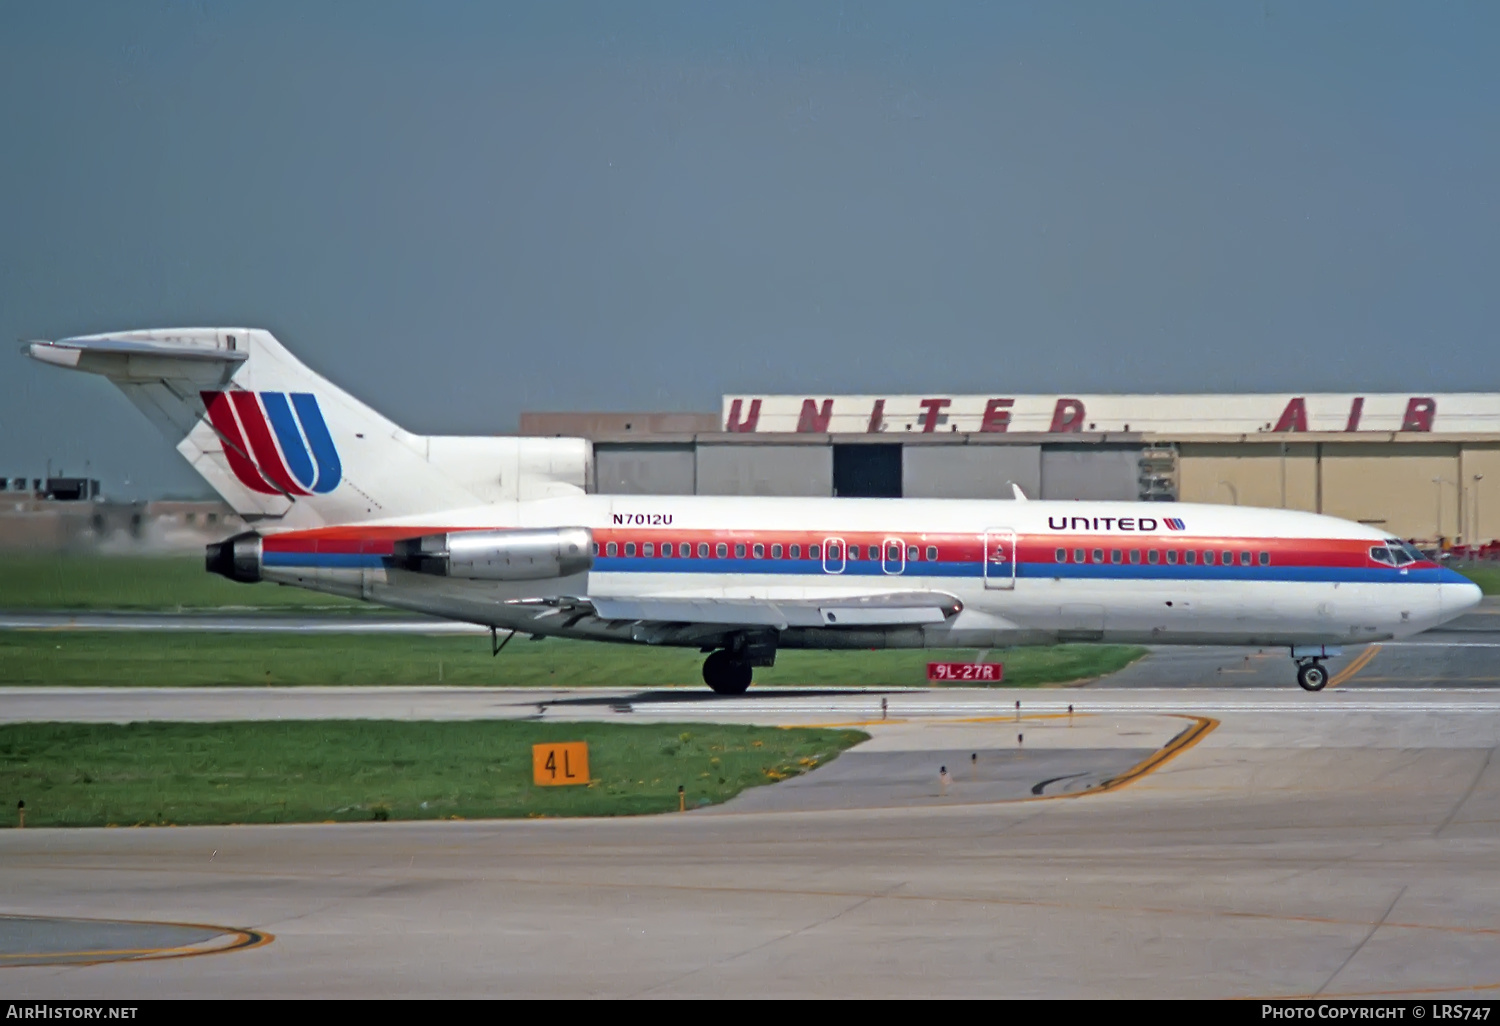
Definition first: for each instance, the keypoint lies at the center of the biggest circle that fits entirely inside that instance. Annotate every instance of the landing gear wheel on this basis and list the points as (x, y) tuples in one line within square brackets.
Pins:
[(726, 674), (1312, 676)]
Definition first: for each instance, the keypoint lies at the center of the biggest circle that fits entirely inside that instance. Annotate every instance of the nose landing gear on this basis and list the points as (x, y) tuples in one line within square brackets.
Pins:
[(1311, 674)]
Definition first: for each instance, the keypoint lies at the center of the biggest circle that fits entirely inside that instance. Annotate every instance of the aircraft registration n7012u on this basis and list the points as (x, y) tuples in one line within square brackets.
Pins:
[(503, 532)]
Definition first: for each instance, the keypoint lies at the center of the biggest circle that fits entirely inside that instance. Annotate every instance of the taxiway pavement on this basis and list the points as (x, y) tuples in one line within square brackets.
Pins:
[(1336, 844)]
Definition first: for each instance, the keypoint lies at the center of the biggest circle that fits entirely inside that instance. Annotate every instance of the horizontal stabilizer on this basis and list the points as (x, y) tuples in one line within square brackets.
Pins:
[(69, 352)]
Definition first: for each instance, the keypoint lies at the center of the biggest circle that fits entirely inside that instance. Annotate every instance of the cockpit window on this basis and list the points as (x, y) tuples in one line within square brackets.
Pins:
[(1403, 552), (1381, 554)]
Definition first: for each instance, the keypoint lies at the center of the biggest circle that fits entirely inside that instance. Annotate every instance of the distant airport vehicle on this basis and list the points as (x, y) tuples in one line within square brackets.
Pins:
[(501, 532)]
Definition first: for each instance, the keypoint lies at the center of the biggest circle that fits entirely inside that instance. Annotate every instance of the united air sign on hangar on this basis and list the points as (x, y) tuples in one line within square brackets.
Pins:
[(1463, 413), (1423, 466)]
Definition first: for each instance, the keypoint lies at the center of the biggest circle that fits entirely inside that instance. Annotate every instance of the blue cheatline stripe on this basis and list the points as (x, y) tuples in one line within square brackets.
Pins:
[(867, 569), (330, 470), (279, 413), (325, 560)]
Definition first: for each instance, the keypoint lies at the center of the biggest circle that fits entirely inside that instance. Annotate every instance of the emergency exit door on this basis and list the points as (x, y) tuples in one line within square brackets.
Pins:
[(1000, 558)]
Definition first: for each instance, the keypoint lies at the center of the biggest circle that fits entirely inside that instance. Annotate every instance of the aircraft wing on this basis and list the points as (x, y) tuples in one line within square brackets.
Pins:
[(875, 609)]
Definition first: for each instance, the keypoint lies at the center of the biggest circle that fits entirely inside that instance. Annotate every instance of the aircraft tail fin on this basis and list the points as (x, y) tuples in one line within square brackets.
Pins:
[(279, 442)]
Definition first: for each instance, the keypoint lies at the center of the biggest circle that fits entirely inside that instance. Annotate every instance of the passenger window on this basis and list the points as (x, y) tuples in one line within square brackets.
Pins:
[(1061, 555), (1208, 558), (630, 548), (854, 552), (796, 551), (721, 550), (812, 551), (913, 554), (739, 550), (1079, 555), (648, 549), (1152, 556), (775, 551), (1171, 557), (1244, 559), (1114, 555), (1098, 555), (1190, 556), (1265, 559), (759, 550), (596, 548), (1228, 559), (703, 550), (666, 549), (893, 552), (931, 553), (610, 550), (1135, 555)]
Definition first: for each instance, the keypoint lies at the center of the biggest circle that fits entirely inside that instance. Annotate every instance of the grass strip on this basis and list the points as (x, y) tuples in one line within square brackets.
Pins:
[(206, 659), (90, 774), (59, 581), (1487, 577)]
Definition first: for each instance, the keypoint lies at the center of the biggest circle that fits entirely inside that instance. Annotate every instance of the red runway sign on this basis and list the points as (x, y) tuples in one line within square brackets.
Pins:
[(989, 672)]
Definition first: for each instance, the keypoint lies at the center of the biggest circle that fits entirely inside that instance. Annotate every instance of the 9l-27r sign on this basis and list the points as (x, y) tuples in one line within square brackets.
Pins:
[(985, 673)]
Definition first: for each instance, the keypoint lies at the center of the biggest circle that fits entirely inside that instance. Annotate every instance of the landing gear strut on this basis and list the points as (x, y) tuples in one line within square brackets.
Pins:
[(726, 674), (1311, 674)]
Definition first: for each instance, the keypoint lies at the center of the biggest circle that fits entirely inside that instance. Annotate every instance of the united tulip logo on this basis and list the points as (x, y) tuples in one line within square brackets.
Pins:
[(277, 443)]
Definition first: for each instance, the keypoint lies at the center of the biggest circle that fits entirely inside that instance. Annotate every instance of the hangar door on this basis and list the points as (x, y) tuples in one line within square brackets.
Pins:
[(936, 471), (634, 469), (1091, 472), (765, 470)]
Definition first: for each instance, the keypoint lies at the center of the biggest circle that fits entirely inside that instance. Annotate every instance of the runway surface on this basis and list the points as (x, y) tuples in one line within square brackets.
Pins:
[(357, 622), (1269, 843), (1465, 652)]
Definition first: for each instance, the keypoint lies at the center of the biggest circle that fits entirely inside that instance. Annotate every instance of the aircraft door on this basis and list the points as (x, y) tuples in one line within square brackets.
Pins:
[(833, 555), (1000, 558)]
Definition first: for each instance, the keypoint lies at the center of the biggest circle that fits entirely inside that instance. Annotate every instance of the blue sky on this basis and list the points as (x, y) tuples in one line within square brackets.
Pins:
[(464, 210)]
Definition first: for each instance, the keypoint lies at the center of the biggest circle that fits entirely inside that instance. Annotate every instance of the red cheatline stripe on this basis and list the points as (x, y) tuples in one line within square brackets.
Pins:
[(221, 416), (261, 443)]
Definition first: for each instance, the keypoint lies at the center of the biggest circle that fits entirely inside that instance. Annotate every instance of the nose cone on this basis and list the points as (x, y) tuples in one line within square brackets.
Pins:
[(1459, 594)]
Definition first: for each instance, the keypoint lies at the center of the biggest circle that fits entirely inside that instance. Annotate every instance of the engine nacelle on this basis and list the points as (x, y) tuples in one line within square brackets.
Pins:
[(522, 554), (236, 558)]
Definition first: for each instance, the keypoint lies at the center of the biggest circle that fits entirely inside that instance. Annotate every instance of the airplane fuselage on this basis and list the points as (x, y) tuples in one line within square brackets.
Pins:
[(1021, 572)]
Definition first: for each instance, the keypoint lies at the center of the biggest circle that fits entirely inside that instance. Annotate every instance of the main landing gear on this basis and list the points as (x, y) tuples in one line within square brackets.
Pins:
[(1311, 674), (726, 674), (728, 669)]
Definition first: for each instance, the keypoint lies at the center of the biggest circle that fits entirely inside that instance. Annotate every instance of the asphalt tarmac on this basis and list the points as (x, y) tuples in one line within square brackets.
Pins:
[(1182, 833), (1270, 843)]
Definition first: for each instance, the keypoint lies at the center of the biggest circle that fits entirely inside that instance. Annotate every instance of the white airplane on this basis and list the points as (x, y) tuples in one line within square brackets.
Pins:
[(501, 532)]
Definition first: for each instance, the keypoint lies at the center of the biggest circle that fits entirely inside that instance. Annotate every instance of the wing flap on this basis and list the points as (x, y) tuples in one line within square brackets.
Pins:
[(853, 610)]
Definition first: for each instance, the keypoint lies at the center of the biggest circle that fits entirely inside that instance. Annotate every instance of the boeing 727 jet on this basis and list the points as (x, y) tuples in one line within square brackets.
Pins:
[(502, 532)]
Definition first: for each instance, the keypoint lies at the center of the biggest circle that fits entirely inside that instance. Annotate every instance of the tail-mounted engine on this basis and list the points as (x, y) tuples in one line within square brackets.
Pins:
[(505, 555), (236, 558)]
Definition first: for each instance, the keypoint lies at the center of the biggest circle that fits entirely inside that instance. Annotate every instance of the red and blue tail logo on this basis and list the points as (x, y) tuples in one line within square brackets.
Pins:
[(1174, 524), (276, 442)]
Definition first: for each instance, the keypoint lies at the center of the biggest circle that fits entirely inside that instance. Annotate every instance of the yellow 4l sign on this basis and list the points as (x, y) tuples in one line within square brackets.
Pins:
[(554, 765)]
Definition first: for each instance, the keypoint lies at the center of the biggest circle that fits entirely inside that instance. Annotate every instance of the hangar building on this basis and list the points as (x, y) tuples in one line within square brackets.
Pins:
[(1424, 467)]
